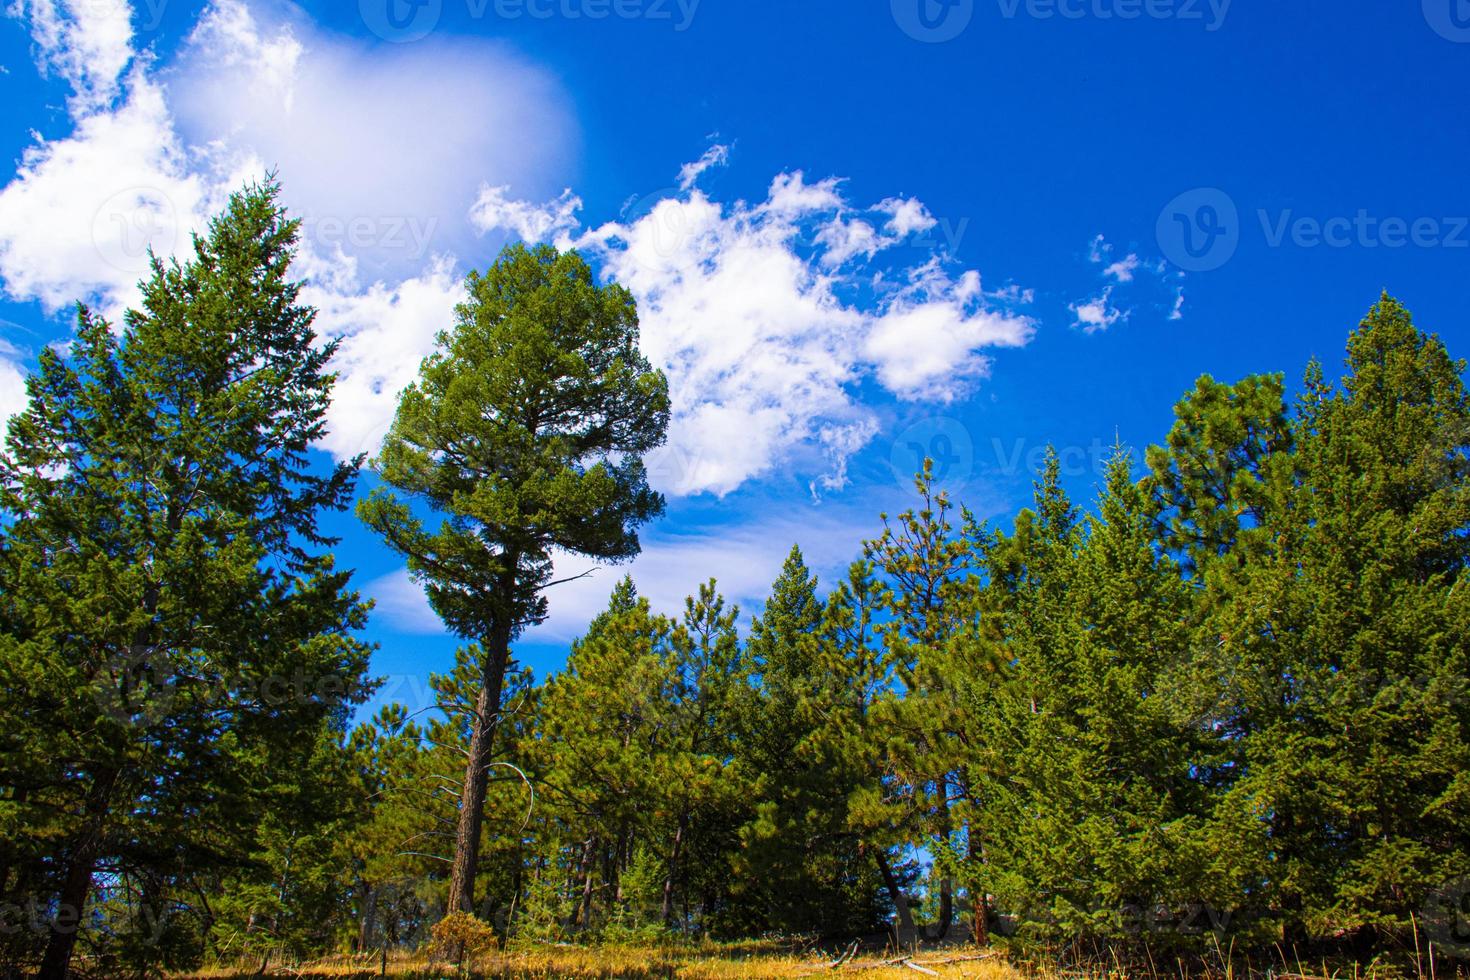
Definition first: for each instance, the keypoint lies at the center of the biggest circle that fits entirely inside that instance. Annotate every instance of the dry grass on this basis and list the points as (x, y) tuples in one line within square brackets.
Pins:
[(580, 963), (769, 962)]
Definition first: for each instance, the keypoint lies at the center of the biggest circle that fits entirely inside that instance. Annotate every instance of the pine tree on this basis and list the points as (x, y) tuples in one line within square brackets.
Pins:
[(178, 640), (1347, 631), (524, 433), (931, 610)]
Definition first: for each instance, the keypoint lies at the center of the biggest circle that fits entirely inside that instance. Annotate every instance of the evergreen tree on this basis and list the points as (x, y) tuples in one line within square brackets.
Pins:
[(931, 610), (524, 433), (1346, 631), (178, 642)]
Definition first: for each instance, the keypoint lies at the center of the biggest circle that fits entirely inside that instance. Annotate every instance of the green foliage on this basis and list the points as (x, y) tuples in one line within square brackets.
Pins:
[(1228, 703), (178, 643)]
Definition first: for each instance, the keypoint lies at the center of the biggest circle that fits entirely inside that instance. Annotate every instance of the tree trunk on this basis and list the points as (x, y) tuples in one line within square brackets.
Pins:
[(899, 899), (477, 775), (946, 908), (76, 887), (668, 909)]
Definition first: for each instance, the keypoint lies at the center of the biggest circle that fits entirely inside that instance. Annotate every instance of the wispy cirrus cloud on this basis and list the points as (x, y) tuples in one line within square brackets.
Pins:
[(1097, 313)]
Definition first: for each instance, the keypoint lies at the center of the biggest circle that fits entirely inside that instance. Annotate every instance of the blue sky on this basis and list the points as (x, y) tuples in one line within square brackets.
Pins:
[(968, 226)]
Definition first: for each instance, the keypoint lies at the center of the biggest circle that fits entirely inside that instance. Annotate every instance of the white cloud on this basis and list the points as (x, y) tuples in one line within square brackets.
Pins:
[(906, 216), (81, 212), (86, 42), (926, 346), (381, 166), (716, 156), (1097, 314), (385, 332), (1123, 269), (12, 385), (368, 137), (533, 223), (766, 316)]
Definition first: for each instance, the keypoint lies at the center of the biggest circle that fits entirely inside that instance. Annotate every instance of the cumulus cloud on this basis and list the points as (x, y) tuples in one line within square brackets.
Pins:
[(532, 223), (385, 332), (771, 318), (1098, 313), (768, 315), (381, 167), (12, 384)]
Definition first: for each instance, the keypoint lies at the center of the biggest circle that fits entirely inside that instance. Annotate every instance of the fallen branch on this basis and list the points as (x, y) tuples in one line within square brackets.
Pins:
[(920, 969), (851, 952)]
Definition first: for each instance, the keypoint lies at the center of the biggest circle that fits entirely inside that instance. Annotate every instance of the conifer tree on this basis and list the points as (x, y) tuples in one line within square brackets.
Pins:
[(178, 641), (932, 608), (1346, 634), (524, 433)]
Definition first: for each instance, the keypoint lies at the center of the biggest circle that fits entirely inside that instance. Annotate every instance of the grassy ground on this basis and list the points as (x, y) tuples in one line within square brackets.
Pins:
[(766, 962), (716, 963)]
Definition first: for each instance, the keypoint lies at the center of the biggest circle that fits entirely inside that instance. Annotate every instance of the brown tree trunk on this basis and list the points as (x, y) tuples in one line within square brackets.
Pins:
[(979, 904), (946, 908), (76, 887), (668, 909), (899, 899), (477, 775)]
